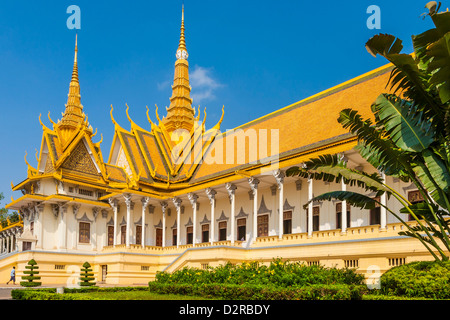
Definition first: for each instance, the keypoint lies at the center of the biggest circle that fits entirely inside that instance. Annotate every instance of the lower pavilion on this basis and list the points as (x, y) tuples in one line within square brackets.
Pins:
[(177, 194)]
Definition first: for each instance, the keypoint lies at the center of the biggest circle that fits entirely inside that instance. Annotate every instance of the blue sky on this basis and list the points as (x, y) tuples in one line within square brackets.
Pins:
[(254, 57)]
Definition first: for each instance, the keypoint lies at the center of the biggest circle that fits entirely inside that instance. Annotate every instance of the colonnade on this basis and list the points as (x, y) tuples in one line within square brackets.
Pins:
[(231, 188), (8, 241)]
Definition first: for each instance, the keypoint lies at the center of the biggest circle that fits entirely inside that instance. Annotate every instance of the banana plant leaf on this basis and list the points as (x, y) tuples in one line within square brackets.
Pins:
[(421, 210), (406, 75), (438, 170), (355, 199), (439, 66), (330, 168), (406, 128), (373, 144)]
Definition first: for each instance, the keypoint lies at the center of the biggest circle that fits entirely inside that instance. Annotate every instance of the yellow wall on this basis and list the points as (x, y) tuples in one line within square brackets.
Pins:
[(368, 245)]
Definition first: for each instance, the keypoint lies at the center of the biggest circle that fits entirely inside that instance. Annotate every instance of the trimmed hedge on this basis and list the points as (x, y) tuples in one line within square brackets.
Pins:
[(261, 292), (69, 293), (279, 273), (428, 279), (86, 276), (281, 280), (32, 275)]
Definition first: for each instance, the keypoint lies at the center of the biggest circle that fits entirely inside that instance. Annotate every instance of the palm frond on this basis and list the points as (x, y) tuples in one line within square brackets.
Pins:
[(406, 76), (355, 199), (331, 168), (373, 144), (406, 127)]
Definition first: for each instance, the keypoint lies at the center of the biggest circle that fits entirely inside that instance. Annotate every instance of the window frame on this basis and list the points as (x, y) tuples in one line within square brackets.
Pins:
[(205, 232), (84, 238), (338, 208), (222, 226), (287, 222), (189, 235), (241, 225)]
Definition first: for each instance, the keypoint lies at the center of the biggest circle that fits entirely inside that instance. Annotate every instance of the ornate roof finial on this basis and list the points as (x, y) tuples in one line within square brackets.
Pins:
[(75, 60), (73, 115), (182, 43)]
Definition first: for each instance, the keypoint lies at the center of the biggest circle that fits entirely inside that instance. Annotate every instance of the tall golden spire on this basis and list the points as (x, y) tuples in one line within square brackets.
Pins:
[(73, 115), (180, 114), (182, 44)]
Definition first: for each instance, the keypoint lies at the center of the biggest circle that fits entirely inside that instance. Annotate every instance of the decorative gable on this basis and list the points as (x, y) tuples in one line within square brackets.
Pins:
[(80, 160)]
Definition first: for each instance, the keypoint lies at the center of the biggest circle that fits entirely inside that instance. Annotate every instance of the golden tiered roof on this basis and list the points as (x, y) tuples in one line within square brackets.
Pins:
[(161, 161), (67, 150)]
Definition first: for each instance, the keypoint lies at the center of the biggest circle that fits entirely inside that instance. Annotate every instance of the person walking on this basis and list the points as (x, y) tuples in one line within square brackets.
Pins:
[(13, 276)]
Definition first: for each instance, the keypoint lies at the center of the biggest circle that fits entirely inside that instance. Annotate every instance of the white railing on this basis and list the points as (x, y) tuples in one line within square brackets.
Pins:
[(335, 234), (137, 248), (7, 254), (361, 232)]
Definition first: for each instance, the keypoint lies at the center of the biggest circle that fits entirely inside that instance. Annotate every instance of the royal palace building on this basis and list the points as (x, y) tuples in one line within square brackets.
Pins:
[(176, 193)]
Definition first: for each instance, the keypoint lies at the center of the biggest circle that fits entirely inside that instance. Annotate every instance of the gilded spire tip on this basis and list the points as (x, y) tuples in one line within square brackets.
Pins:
[(73, 116), (182, 43)]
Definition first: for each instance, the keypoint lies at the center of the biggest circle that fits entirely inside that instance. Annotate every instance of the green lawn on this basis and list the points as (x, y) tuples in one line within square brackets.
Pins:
[(147, 295), (106, 294), (137, 295)]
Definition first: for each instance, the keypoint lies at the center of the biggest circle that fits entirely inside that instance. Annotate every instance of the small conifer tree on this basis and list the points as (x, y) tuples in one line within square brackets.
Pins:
[(31, 275), (86, 276)]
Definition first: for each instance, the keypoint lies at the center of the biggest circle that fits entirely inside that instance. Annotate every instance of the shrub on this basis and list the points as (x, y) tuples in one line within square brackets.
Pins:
[(69, 293), (278, 273), (261, 292), (250, 280), (24, 294), (32, 272), (86, 276), (428, 279)]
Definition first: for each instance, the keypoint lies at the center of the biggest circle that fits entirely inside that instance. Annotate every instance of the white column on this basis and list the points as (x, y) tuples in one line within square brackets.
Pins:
[(128, 202), (193, 199), (144, 201), (279, 176), (1, 244), (177, 203), (114, 205), (16, 243), (310, 207), (95, 212), (344, 210), (7, 243), (56, 210), (383, 200), (211, 193), (38, 230), (231, 188), (164, 208), (254, 186), (75, 208), (11, 249), (63, 213)]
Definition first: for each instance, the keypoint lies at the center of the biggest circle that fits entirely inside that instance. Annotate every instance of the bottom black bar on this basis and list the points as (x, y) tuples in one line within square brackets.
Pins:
[(235, 309)]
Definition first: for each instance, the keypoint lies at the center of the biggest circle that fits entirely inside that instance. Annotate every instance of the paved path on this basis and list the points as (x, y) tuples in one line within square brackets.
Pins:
[(5, 292)]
